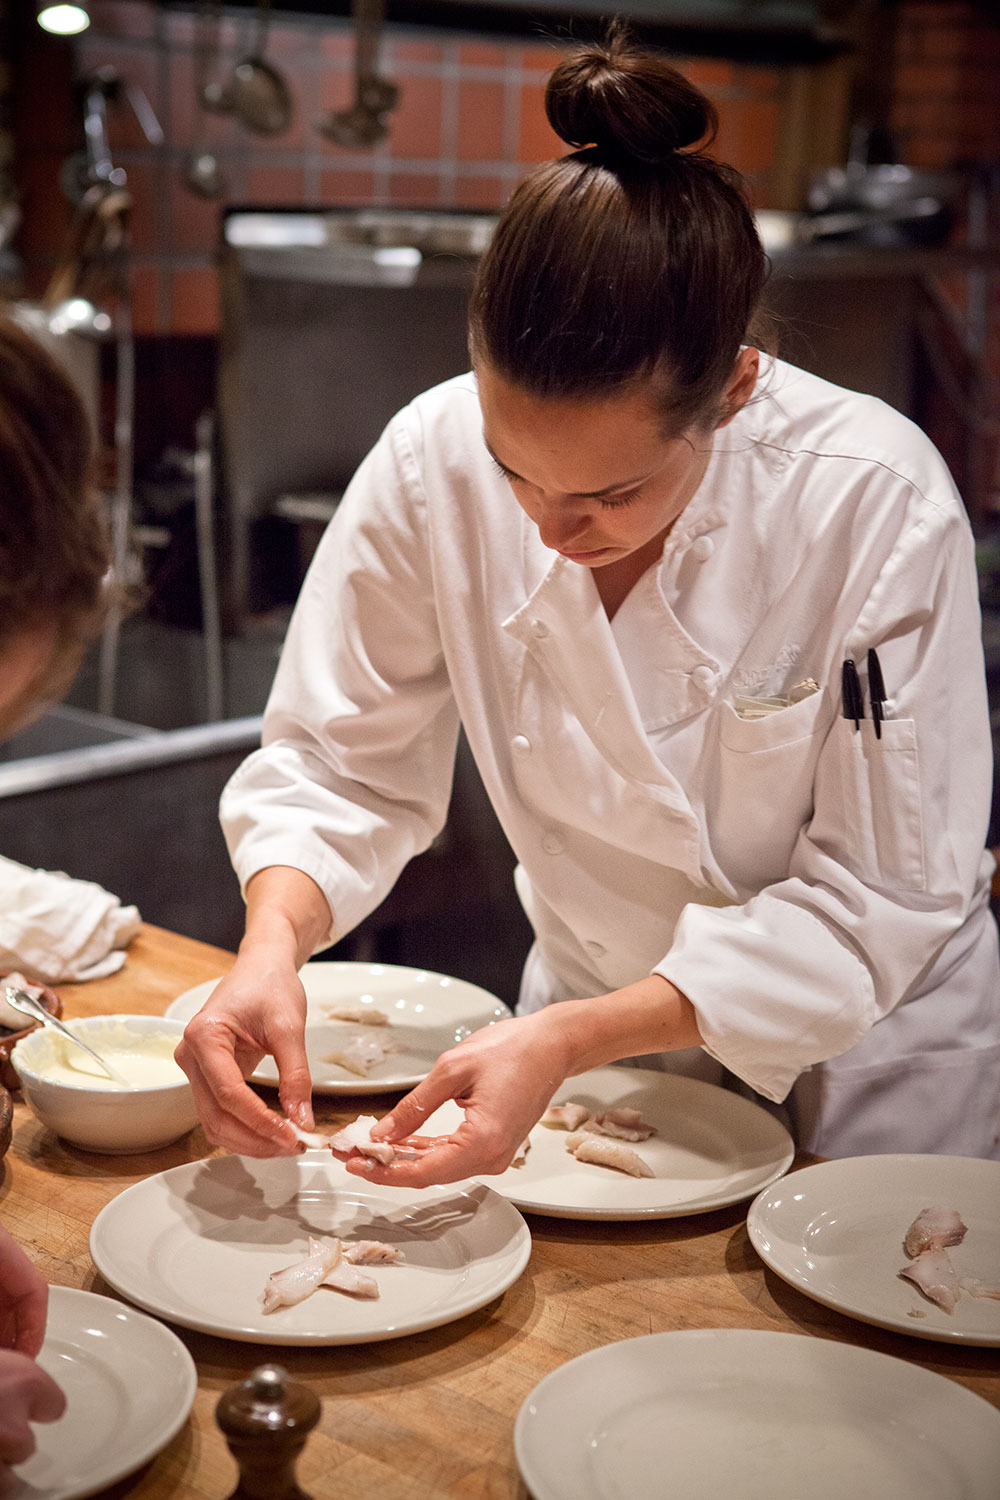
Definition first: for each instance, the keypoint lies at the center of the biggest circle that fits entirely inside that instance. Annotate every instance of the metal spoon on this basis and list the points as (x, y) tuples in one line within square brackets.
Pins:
[(34, 1008)]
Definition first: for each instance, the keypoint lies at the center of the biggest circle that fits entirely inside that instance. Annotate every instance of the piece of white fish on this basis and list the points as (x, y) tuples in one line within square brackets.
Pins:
[(933, 1229), (310, 1138), (347, 1278), (361, 1055), (357, 1137), (565, 1116), (933, 1274), (371, 1253), (603, 1152), (521, 1154), (622, 1124), (977, 1288), (364, 1015), (332, 1263), (298, 1281)]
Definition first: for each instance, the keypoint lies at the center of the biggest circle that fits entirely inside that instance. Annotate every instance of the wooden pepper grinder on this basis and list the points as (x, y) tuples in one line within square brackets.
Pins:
[(266, 1420)]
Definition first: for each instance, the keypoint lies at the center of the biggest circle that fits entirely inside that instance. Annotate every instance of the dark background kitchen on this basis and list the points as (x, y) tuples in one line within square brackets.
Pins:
[(255, 317)]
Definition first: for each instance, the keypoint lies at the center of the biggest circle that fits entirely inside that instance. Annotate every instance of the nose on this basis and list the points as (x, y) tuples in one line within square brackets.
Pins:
[(558, 526)]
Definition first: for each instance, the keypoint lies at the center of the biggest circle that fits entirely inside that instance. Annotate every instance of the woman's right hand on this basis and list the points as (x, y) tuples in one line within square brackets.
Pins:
[(258, 1009), (27, 1394)]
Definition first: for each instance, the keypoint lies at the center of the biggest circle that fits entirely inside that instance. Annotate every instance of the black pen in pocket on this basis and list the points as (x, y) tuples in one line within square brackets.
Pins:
[(850, 693), (876, 691)]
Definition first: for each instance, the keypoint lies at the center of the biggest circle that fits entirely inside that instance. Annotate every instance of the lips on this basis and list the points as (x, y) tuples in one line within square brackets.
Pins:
[(585, 557)]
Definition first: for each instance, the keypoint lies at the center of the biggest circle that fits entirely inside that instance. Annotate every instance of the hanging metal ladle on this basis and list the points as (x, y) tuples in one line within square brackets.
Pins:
[(202, 173), (256, 93), (364, 123)]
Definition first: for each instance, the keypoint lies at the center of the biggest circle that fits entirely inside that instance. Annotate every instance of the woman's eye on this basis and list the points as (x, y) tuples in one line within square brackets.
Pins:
[(613, 502), (504, 473)]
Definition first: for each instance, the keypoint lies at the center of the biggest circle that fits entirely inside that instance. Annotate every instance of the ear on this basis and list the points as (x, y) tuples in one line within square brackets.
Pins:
[(740, 386)]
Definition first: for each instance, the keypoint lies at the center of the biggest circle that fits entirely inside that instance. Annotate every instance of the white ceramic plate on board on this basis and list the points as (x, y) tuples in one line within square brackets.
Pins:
[(129, 1385), (197, 1243), (708, 1413), (835, 1231), (711, 1148), (428, 1013)]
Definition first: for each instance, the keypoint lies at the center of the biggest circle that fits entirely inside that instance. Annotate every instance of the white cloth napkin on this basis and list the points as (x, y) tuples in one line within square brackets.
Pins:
[(57, 928)]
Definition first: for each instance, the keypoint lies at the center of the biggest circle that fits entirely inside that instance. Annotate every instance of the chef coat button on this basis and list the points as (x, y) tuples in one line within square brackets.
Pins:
[(702, 548), (597, 949), (552, 843), (703, 677), (521, 745), (539, 629)]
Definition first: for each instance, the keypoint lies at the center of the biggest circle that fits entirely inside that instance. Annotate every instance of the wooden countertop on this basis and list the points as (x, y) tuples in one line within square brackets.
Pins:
[(429, 1417)]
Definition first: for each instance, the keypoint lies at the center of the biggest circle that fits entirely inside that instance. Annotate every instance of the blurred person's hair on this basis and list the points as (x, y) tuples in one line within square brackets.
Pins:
[(55, 551)]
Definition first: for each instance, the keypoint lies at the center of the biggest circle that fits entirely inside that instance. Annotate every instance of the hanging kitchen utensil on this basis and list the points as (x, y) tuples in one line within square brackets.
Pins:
[(213, 94), (257, 94), (364, 123), (202, 173)]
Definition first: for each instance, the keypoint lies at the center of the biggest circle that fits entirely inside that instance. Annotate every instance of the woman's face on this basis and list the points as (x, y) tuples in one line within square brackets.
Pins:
[(24, 661), (595, 476)]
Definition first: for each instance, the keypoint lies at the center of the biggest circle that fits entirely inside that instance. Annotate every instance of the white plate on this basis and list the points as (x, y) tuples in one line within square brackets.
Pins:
[(835, 1231), (709, 1413), (197, 1243), (129, 1385), (429, 1013), (711, 1148)]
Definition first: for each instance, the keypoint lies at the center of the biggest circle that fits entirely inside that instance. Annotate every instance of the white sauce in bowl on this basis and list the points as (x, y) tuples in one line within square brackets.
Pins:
[(147, 1061)]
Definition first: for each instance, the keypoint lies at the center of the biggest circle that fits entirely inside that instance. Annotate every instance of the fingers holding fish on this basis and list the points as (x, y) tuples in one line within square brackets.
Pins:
[(255, 1010)]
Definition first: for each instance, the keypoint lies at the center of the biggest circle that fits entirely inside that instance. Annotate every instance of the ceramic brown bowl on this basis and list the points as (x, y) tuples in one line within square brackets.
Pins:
[(6, 1119), (52, 1003)]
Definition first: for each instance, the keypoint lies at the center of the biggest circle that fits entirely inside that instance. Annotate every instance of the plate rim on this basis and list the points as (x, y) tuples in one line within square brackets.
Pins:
[(952, 1336), (612, 1214), (537, 1481), (349, 1086), (520, 1254), (117, 1468)]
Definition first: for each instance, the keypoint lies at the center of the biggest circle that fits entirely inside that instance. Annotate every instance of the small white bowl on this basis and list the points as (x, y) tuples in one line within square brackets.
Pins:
[(110, 1120)]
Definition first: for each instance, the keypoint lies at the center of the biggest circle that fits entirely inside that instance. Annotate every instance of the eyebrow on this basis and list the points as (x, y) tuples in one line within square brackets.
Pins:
[(611, 489)]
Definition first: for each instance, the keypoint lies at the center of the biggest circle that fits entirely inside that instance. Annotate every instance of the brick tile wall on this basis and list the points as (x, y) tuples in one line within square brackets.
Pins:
[(469, 124)]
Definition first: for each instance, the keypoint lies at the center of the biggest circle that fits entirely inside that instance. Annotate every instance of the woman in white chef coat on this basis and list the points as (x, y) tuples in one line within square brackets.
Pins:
[(54, 557), (630, 554)]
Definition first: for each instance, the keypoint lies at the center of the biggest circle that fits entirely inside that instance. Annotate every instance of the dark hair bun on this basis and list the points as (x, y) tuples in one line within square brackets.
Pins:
[(627, 102)]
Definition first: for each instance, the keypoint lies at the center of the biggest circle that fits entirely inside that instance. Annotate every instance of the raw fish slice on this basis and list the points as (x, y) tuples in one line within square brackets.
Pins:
[(977, 1288), (361, 1055), (565, 1116), (371, 1253), (623, 1124), (364, 1015), (933, 1229), (603, 1152), (347, 1278), (521, 1155), (296, 1282), (311, 1138), (933, 1274), (357, 1137)]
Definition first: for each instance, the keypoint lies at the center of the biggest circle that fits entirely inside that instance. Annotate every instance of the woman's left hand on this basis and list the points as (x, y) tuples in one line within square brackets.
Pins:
[(503, 1077)]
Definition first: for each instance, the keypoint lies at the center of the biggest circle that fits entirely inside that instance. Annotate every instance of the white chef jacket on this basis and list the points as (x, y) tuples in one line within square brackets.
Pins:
[(818, 893)]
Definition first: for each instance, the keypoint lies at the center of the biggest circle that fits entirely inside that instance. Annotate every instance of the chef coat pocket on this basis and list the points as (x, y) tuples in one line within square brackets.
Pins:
[(764, 792), (784, 727), (881, 802)]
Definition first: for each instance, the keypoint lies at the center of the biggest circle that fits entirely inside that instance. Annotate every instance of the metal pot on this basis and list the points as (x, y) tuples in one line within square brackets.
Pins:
[(881, 204)]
